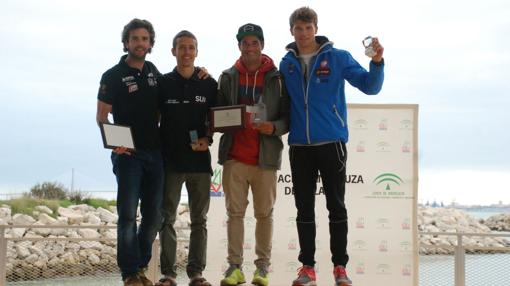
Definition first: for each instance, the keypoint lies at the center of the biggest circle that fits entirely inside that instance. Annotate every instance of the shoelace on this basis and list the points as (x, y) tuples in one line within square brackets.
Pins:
[(263, 271), (303, 271), (230, 269), (340, 272)]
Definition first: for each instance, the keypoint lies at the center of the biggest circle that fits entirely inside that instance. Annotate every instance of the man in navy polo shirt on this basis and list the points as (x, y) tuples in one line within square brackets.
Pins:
[(185, 100), (129, 91)]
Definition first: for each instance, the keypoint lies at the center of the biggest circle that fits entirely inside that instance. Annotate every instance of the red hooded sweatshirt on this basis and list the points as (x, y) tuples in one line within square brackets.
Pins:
[(245, 147)]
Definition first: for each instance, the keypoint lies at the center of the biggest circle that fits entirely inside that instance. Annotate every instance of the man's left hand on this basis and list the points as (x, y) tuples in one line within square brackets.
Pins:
[(202, 144), (266, 127), (379, 50)]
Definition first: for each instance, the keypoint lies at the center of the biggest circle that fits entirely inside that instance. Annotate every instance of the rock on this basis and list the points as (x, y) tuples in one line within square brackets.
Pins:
[(499, 222), (73, 217), (107, 216), (45, 219), (88, 233), (44, 209), (5, 212), (22, 219), (92, 219)]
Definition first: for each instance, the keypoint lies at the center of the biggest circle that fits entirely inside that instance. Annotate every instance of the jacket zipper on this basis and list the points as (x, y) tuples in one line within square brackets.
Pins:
[(338, 115), (306, 97)]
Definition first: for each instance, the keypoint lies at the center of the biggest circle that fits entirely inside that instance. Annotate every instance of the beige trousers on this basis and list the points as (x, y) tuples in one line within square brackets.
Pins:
[(237, 180)]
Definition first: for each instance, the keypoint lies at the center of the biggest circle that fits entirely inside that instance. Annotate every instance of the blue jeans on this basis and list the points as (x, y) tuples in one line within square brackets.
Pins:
[(139, 178)]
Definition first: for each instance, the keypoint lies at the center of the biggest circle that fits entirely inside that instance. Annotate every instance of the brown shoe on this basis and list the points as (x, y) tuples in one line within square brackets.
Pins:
[(144, 279), (133, 281), (198, 280), (166, 281)]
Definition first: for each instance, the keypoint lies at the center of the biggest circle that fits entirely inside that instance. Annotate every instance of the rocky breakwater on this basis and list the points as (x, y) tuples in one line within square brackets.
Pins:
[(500, 222), (34, 253), (454, 220)]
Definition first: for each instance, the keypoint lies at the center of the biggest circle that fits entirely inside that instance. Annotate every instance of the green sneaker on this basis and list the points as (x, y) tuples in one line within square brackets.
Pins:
[(260, 277), (233, 276)]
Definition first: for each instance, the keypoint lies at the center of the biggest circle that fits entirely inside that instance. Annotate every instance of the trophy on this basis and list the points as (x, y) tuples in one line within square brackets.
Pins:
[(369, 47)]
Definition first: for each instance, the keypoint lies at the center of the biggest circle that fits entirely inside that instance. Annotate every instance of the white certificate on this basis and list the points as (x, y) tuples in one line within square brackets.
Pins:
[(227, 118), (115, 135)]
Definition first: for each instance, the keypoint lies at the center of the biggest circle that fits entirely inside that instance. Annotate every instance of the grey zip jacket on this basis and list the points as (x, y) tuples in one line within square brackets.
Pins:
[(276, 100)]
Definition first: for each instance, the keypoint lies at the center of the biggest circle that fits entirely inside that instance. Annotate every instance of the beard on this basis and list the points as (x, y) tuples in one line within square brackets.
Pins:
[(139, 55)]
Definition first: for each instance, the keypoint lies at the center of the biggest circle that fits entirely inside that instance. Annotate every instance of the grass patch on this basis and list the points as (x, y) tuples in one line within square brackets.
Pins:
[(105, 204), (26, 205)]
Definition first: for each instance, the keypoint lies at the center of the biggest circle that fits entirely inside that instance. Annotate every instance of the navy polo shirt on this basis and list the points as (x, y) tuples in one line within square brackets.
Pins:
[(184, 105), (133, 96)]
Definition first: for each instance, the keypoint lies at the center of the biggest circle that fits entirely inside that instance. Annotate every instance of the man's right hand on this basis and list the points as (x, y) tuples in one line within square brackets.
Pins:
[(121, 150)]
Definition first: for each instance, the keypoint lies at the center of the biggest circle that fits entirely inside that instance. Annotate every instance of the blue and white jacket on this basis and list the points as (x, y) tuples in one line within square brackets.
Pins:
[(318, 112)]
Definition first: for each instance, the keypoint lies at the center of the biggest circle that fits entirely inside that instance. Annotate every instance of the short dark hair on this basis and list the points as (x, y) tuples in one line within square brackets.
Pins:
[(305, 14), (137, 24), (184, 33)]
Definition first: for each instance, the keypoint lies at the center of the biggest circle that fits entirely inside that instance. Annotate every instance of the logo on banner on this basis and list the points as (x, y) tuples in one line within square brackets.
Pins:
[(405, 246), (360, 124), (406, 147), (383, 223), (216, 190), (360, 223), (406, 124), (317, 244), (383, 124), (383, 269), (291, 266), (406, 270), (249, 221), (383, 246), (388, 179), (360, 245), (406, 224), (291, 222), (383, 146), (248, 243), (224, 243), (292, 245), (360, 268), (360, 148)]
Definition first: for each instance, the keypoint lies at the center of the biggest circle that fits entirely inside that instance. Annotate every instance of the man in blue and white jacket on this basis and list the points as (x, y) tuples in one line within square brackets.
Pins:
[(315, 75)]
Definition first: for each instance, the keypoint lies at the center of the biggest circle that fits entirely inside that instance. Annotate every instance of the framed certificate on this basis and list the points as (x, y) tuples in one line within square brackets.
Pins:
[(115, 135), (228, 118)]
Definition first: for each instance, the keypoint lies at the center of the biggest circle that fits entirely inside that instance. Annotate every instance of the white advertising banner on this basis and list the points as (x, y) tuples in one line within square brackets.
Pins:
[(381, 197)]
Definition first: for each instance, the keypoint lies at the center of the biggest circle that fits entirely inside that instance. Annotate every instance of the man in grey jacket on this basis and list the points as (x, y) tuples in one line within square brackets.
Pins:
[(252, 155)]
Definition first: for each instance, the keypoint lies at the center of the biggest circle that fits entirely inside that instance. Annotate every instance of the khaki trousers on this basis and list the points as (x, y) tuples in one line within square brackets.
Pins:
[(237, 180)]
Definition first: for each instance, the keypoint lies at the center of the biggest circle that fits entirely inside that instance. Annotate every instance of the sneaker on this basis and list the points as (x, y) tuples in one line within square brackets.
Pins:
[(341, 278), (306, 276), (260, 277), (233, 276), (143, 278), (133, 280)]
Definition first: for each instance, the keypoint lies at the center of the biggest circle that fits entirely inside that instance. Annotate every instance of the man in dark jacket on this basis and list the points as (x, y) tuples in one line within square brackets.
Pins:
[(185, 100)]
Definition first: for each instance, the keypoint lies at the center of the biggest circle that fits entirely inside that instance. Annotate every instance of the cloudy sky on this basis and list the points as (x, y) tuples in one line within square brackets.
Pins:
[(450, 57)]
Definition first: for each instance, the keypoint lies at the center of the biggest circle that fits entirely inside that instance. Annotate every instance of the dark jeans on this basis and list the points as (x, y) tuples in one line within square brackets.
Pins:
[(139, 178), (306, 163), (198, 186)]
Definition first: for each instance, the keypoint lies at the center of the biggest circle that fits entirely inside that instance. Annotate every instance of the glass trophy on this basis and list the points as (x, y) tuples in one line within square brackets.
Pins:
[(369, 47)]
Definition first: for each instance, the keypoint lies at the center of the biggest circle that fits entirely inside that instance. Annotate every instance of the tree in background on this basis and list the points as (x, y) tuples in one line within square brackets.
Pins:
[(49, 191)]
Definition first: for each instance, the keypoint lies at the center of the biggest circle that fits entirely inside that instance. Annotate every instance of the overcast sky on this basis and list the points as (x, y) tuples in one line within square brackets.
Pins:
[(450, 57)]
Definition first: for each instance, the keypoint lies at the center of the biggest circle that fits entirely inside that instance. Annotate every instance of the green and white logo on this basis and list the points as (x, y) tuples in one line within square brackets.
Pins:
[(389, 179)]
